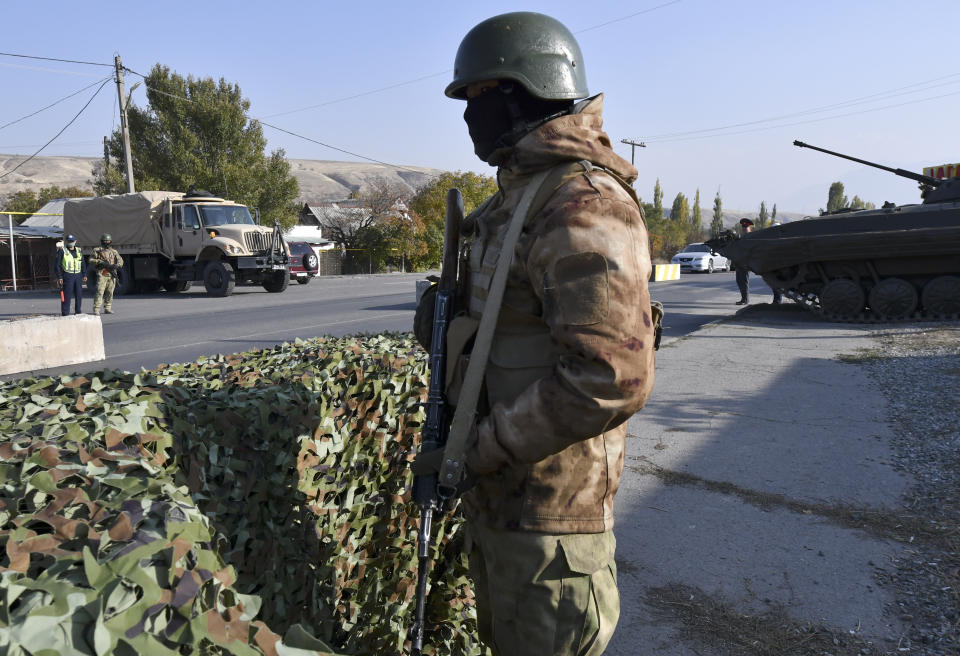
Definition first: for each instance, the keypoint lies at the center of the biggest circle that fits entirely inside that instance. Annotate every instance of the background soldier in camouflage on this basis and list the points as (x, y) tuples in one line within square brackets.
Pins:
[(572, 355), (106, 261)]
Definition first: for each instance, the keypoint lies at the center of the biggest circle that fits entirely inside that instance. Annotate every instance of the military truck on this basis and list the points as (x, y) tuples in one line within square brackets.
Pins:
[(170, 239)]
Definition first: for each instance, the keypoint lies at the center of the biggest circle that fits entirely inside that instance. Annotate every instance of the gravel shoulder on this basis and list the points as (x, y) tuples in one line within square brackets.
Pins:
[(807, 503)]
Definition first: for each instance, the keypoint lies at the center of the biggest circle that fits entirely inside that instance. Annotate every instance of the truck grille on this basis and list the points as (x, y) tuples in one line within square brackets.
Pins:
[(257, 242)]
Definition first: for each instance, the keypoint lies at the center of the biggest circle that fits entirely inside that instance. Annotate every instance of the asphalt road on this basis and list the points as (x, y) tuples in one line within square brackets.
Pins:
[(149, 329)]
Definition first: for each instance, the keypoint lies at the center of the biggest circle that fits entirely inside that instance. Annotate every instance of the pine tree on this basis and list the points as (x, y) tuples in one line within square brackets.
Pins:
[(716, 225), (696, 219), (835, 198), (773, 215), (657, 202), (762, 218)]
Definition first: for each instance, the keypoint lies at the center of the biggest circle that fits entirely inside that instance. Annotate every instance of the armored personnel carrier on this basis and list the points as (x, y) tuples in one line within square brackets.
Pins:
[(898, 262)]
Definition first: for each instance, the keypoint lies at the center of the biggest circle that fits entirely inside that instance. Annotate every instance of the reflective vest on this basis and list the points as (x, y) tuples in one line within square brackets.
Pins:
[(71, 263)]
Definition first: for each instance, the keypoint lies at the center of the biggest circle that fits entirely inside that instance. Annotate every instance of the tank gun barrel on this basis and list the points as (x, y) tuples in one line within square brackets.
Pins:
[(903, 173)]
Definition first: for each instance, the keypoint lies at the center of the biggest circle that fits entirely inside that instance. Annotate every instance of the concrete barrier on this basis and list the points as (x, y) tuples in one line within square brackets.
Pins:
[(665, 272), (43, 342), (422, 286)]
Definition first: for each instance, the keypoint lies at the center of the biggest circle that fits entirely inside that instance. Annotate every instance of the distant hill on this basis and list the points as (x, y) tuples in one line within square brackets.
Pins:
[(319, 180), (732, 217)]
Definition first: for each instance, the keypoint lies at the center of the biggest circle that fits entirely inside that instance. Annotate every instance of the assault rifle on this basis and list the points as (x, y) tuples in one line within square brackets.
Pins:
[(426, 493)]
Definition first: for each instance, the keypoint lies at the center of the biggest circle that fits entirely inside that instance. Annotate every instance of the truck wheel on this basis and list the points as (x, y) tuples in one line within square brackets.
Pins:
[(176, 286), (276, 281), (303, 280), (219, 278)]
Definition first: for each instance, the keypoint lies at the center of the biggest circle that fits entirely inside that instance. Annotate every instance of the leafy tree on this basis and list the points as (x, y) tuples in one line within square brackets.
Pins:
[(363, 231), (429, 206), (31, 201), (835, 198), (716, 225), (680, 211), (763, 217), (696, 219), (196, 131)]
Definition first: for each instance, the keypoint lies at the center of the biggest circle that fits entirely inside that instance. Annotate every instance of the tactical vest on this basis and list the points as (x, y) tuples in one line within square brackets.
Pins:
[(71, 263), (107, 256)]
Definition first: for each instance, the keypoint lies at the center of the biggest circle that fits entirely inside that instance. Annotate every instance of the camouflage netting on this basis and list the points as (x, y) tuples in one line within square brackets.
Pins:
[(211, 507)]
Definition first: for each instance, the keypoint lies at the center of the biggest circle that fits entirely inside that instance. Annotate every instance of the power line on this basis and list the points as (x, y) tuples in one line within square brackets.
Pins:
[(52, 104), (67, 61), (362, 94), (882, 95), (82, 109), (276, 127), (450, 70), (618, 20), (369, 159), (814, 120)]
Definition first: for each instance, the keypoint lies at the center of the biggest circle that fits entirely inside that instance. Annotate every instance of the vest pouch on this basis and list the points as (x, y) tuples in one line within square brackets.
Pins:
[(516, 362), (460, 334)]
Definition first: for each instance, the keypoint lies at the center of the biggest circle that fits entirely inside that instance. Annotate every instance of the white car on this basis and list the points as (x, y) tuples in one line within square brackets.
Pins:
[(699, 257)]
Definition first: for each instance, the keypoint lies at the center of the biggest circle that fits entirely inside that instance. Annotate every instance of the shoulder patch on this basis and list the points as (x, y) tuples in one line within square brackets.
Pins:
[(583, 295)]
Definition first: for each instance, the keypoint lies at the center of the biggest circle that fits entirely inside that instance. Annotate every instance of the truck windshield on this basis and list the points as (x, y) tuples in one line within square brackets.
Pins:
[(215, 215)]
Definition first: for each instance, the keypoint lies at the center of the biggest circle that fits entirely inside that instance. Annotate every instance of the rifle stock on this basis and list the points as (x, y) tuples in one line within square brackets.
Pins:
[(437, 426)]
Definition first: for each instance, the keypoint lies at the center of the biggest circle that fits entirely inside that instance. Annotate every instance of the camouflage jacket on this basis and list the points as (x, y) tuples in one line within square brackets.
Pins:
[(103, 256), (572, 356)]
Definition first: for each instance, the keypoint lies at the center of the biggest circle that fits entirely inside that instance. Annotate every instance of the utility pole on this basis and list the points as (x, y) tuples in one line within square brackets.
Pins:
[(13, 256), (123, 123), (633, 146)]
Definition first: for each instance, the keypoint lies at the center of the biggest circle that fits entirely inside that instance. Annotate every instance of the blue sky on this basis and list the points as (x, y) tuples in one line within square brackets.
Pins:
[(368, 78)]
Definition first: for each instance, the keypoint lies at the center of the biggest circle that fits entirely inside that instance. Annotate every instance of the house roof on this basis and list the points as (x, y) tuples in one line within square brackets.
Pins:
[(50, 215)]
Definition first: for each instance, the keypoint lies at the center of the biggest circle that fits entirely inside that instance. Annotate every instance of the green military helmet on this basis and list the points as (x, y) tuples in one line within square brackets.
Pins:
[(105, 239), (535, 50)]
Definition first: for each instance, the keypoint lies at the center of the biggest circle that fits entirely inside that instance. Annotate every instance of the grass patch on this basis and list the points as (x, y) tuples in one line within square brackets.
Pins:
[(714, 621), (861, 356)]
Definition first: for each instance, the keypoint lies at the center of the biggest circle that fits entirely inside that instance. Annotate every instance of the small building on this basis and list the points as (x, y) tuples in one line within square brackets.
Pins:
[(34, 250)]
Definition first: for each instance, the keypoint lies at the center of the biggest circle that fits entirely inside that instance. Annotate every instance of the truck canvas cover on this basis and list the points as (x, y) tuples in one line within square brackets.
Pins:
[(133, 220)]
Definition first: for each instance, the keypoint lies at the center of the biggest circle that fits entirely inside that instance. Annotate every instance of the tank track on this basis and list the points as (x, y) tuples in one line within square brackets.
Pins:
[(812, 304)]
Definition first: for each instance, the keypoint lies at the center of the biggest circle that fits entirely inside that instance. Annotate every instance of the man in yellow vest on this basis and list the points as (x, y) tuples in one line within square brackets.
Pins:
[(107, 262), (71, 274)]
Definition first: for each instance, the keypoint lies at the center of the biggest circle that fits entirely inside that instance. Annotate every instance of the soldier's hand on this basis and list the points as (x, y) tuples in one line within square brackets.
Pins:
[(59, 283), (84, 280)]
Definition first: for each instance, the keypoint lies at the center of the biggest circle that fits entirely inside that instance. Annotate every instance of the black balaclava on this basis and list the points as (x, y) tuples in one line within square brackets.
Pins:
[(504, 114)]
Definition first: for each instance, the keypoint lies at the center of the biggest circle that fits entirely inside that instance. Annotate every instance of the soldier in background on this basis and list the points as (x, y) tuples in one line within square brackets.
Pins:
[(572, 354), (106, 261), (743, 275), (71, 271)]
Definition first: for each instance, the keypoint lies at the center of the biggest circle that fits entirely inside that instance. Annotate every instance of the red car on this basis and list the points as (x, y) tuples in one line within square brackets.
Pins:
[(304, 263)]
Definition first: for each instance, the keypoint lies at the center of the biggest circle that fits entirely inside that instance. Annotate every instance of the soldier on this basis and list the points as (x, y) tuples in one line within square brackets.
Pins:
[(743, 275), (572, 353), (71, 273), (107, 262)]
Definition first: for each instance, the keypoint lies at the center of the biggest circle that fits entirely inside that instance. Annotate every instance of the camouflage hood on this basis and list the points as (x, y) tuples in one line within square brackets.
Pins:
[(578, 135)]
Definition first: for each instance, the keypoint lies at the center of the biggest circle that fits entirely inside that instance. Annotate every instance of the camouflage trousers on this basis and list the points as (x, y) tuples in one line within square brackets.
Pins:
[(105, 285), (544, 595)]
